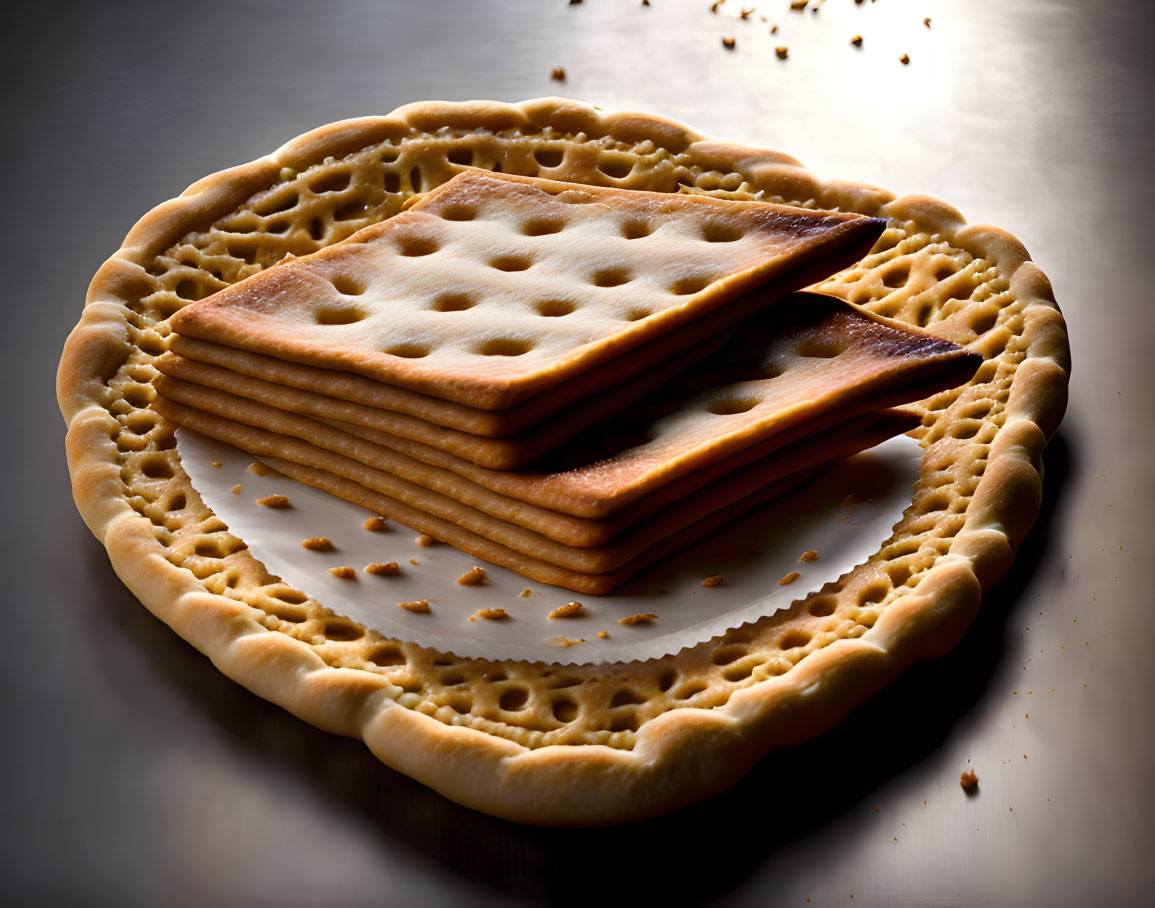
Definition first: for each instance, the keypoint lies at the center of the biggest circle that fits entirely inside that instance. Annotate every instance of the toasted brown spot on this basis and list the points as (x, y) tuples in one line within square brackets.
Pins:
[(344, 572), (789, 578), (383, 568), (569, 610), (640, 618), (969, 781), (318, 544), (375, 524), (566, 642), (716, 580), (475, 576), (275, 501), (237, 489), (809, 555), (425, 541), (259, 469), (421, 606)]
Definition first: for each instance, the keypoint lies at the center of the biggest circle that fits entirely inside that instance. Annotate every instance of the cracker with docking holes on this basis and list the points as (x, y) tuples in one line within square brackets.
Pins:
[(811, 362), (565, 744), (459, 296)]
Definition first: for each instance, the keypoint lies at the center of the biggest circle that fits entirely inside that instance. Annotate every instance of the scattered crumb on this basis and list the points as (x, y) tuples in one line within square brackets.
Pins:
[(797, 6), (773, 29), (745, 14), (603, 634), (782, 52), (558, 74), (789, 579), (574, 2), (969, 782), (259, 469), (374, 524), (425, 541), (641, 618), (569, 610), (475, 576), (645, 2), (217, 464), (716, 580), (856, 40), (318, 544), (566, 642), (344, 572), (729, 43), (926, 22), (809, 555), (275, 501), (414, 561), (526, 593), (714, 6), (383, 569), (237, 489), (904, 59), (420, 606), (491, 614)]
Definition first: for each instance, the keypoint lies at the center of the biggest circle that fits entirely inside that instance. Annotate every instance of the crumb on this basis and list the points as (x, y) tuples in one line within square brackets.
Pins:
[(574, 2), (217, 464), (645, 2), (344, 572), (798, 5), (788, 579), (558, 74), (566, 642), (904, 59), (856, 40), (716, 580), (475, 576), (641, 618), (237, 489), (969, 782), (420, 606), (729, 43), (374, 524), (287, 173), (259, 469), (715, 5), (318, 544), (425, 541), (745, 14), (383, 569), (809, 555), (926, 22), (491, 614), (414, 561), (569, 610), (782, 52), (773, 29), (275, 501), (526, 593), (603, 634)]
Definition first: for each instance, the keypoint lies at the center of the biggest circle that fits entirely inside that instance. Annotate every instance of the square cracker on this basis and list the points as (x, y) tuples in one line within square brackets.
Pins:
[(493, 288)]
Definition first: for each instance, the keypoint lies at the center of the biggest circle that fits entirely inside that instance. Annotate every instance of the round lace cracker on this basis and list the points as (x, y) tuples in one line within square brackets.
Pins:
[(553, 744)]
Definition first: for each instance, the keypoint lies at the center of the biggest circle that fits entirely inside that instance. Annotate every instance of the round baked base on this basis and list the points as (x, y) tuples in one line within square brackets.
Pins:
[(540, 743)]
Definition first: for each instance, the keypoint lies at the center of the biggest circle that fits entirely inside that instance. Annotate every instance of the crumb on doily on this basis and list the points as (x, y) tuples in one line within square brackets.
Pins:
[(569, 610), (275, 501), (343, 572), (420, 606), (383, 568), (640, 618), (475, 576), (317, 544)]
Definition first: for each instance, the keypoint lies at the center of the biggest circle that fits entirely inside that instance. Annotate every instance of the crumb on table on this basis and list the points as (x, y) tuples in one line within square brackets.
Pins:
[(317, 544), (558, 74), (344, 572), (425, 541), (566, 642), (640, 618), (729, 43), (217, 464), (420, 606), (374, 524), (259, 469), (716, 580), (237, 489), (789, 578), (383, 568), (475, 576), (904, 59), (275, 501), (569, 610), (490, 614), (856, 40), (603, 634), (783, 52), (414, 561), (526, 593), (969, 781), (809, 555)]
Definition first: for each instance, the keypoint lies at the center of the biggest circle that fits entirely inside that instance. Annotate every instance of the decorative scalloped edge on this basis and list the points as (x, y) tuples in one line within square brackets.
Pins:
[(682, 755)]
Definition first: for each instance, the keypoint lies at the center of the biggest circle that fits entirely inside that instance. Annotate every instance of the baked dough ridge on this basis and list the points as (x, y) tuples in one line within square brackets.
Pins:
[(685, 749)]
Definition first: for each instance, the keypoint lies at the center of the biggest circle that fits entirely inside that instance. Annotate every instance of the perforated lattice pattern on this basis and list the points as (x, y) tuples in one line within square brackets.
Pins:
[(913, 274)]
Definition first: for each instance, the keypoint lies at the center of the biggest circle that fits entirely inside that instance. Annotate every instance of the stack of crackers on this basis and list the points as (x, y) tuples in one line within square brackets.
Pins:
[(568, 381)]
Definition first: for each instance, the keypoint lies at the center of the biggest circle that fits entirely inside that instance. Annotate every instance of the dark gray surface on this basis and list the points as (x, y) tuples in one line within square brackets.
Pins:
[(135, 773)]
